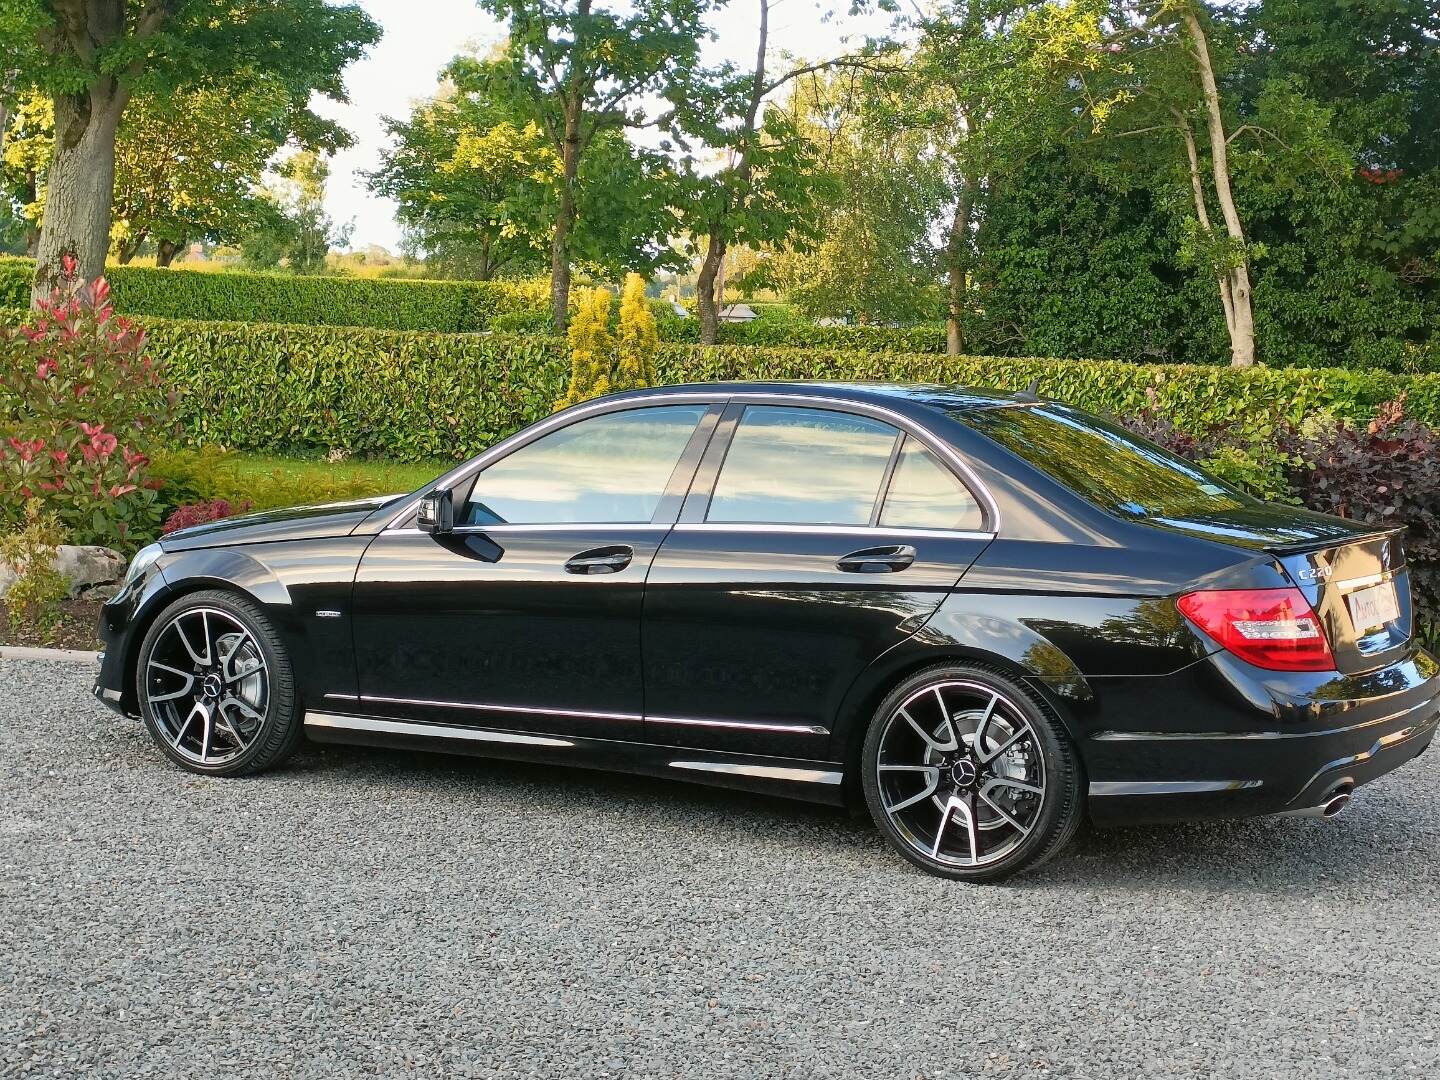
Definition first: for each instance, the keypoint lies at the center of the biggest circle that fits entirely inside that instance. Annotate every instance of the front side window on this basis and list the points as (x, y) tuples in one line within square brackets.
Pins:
[(1105, 464), (803, 467), (924, 494), (607, 469)]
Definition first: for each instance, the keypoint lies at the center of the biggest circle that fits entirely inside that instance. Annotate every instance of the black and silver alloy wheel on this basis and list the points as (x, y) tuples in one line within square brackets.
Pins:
[(968, 775), (216, 690)]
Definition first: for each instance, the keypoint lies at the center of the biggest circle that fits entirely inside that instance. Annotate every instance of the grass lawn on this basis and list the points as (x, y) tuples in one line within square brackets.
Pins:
[(375, 477)]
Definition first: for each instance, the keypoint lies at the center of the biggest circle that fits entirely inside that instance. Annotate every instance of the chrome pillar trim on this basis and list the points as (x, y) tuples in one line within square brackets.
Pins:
[(765, 772), (439, 731), (741, 725), (1169, 787), (480, 706)]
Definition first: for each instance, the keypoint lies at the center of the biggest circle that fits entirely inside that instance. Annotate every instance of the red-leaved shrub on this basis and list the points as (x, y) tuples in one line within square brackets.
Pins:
[(201, 512), (81, 408)]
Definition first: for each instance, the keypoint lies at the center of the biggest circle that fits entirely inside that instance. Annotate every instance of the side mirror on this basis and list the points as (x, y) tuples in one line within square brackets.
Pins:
[(436, 515)]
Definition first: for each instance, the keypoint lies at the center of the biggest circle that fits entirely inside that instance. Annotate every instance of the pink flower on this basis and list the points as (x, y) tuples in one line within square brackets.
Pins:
[(60, 457), (27, 450), (91, 430), (45, 369), (134, 459), (68, 264), (121, 489)]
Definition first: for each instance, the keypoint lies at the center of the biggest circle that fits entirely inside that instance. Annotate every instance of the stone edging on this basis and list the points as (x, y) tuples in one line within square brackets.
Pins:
[(22, 652)]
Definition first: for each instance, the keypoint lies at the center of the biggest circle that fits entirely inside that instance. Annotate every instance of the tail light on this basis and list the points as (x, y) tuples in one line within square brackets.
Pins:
[(1270, 628)]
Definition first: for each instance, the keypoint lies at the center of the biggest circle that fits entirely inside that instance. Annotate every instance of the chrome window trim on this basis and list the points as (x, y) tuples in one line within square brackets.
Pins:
[(343, 722), (857, 530), (937, 446), (559, 526)]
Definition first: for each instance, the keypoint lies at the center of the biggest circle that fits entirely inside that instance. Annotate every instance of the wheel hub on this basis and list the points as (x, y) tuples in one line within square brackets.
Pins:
[(212, 685), (964, 773)]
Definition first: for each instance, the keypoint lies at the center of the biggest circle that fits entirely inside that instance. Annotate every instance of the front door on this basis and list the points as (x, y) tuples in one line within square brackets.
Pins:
[(815, 540), (527, 616)]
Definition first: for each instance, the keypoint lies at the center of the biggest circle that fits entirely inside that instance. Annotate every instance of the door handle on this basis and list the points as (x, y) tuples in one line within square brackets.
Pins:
[(877, 560), (601, 560)]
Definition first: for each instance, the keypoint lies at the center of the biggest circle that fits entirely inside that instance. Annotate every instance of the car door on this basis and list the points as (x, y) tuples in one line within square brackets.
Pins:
[(527, 616), (814, 538)]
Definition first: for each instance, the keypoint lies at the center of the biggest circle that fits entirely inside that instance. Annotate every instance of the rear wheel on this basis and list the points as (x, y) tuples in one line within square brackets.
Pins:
[(970, 776), (216, 688)]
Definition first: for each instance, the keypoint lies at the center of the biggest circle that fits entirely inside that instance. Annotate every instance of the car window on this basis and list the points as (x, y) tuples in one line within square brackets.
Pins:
[(803, 467), (924, 494), (1105, 464), (610, 468)]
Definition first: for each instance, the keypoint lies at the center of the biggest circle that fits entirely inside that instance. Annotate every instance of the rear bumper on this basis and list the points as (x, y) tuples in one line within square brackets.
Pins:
[(1230, 740)]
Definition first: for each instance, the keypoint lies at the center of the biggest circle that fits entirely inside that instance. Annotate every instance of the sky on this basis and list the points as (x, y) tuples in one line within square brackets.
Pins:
[(422, 35)]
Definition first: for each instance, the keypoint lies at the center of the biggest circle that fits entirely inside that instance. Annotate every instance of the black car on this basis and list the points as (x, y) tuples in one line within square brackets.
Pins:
[(984, 615)]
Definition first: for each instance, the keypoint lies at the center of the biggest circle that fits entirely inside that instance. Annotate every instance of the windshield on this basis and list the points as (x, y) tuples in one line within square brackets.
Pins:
[(1105, 464)]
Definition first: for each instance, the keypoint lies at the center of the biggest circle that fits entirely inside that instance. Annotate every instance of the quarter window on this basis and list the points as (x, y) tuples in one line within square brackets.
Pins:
[(802, 466), (924, 494), (607, 469)]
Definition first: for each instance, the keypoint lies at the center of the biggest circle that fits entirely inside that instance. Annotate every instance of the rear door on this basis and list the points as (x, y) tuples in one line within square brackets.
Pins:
[(814, 539)]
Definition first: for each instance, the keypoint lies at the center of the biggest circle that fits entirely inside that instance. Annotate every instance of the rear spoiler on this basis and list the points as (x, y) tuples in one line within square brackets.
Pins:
[(1302, 546)]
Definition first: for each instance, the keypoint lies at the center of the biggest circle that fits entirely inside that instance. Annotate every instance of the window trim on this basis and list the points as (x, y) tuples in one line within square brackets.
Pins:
[(890, 481), (697, 505), (719, 439)]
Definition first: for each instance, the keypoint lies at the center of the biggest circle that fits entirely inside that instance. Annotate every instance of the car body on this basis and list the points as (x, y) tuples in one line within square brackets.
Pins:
[(708, 643)]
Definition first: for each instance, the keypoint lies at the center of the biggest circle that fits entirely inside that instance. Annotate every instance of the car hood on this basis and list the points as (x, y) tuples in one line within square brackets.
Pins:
[(1268, 527), (293, 523)]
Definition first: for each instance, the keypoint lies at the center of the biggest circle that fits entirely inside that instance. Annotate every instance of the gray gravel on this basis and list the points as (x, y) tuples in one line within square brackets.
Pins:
[(367, 913)]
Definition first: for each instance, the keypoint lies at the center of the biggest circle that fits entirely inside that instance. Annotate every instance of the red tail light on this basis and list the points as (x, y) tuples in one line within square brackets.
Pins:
[(1270, 628)]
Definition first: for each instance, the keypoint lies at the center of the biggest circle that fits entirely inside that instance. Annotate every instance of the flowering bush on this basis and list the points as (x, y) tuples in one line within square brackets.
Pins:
[(81, 408), (201, 512)]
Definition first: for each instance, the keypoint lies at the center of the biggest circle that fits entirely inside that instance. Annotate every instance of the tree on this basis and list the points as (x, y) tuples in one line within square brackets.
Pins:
[(473, 175), (26, 162), (763, 193), (189, 165), (584, 69), (92, 55), (295, 232)]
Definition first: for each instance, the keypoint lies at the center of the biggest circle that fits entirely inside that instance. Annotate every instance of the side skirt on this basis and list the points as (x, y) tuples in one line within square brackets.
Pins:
[(794, 778)]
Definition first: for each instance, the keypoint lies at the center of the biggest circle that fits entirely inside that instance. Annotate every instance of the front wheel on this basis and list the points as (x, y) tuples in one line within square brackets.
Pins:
[(216, 688), (969, 776)]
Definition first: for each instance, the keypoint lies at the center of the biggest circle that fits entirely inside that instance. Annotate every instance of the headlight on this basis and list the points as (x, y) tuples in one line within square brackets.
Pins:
[(143, 560)]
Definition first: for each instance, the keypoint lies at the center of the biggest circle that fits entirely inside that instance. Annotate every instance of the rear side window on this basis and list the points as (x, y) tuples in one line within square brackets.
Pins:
[(1103, 463), (802, 467), (924, 494)]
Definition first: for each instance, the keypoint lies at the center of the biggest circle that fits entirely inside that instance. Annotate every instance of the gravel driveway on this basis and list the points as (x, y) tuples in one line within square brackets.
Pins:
[(366, 913)]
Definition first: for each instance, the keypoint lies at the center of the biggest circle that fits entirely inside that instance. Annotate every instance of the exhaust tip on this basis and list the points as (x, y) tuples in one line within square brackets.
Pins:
[(1339, 799)]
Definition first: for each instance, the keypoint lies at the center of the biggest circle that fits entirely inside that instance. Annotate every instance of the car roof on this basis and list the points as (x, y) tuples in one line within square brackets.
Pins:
[(893, 394)]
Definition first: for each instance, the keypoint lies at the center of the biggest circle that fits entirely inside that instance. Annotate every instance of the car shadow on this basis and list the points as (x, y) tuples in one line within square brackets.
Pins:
[(1374, 841)]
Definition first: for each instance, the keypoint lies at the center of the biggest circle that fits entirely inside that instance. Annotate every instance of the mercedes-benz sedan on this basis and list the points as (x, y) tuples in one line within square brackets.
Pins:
[(983, 615)]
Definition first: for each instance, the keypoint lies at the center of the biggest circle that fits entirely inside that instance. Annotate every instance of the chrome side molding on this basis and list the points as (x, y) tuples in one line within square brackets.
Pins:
[(439, 731), (766, 772), (1169, 787)]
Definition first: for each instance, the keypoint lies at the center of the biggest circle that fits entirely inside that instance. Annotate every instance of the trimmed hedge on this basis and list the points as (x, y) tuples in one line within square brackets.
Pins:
[(412, 396), (382, 303)]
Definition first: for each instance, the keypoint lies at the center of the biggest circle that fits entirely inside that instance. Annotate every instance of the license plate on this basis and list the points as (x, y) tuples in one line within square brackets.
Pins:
[(1374, 606)]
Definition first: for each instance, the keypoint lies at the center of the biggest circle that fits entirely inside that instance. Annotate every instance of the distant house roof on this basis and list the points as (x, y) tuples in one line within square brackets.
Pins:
[(679, 309), (737, 313)]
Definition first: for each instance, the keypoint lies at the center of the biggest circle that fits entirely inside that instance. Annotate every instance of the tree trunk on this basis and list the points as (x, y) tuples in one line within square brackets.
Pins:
[(1202, 213), (565, 219), (706, 305), (1241, 316), (956, 265), (81, 187), (166, 250)]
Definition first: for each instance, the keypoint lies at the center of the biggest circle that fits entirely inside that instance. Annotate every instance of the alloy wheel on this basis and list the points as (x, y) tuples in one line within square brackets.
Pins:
[(960, 773), (207, 686)]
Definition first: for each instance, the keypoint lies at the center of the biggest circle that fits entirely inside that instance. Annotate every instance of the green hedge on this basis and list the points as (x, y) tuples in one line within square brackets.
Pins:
[(382, 303), (414, 395)]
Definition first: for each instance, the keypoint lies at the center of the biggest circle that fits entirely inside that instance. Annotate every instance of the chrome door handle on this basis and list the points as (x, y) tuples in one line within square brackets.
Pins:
[(877, 560), (602, 560)]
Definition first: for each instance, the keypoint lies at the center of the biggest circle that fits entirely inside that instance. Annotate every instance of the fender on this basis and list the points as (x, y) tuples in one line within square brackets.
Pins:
[(966, 627)]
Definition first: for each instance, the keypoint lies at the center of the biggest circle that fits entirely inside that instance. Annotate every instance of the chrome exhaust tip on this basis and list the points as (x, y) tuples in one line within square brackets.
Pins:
[(1331, 806)]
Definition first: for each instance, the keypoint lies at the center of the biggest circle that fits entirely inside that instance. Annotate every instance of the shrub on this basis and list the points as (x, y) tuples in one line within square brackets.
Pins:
[(74, 381), (201, 513), (34, 597), (393, 304), (635, 341), (591, 347)]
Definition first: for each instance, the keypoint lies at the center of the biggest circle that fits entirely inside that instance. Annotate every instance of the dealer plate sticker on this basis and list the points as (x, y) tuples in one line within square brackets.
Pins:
[(1374, 606)]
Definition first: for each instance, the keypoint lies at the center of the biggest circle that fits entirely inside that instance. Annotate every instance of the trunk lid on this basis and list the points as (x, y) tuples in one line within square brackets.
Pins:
[(1354, 575)]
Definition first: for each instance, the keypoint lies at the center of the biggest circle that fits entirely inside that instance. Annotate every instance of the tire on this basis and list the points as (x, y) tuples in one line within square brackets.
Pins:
[(229, 708), (957, 811)]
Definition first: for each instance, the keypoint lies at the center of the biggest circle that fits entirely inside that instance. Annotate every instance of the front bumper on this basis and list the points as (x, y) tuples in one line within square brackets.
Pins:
[(1229, 740)]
